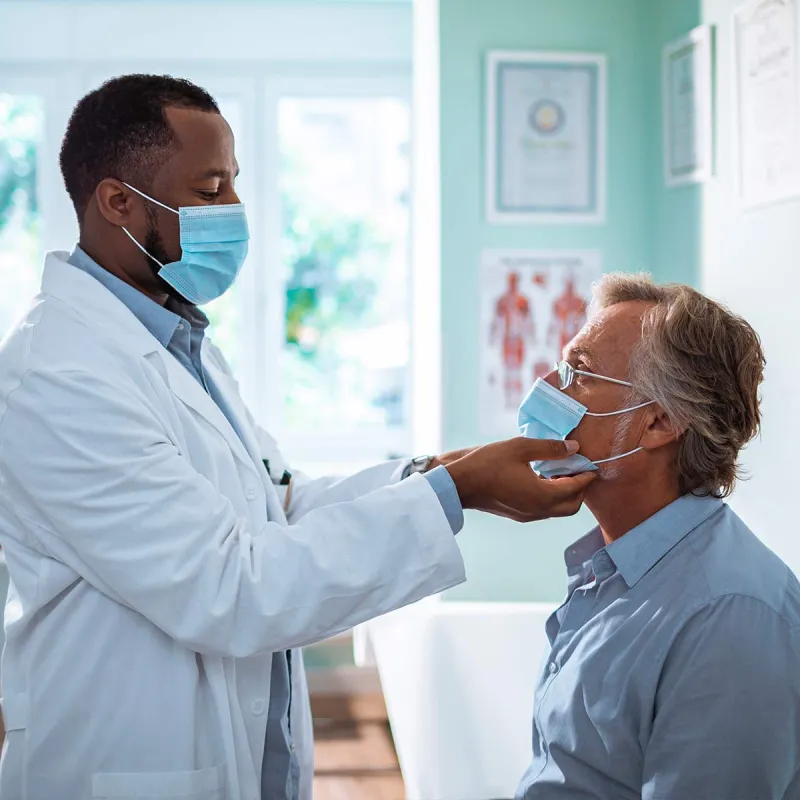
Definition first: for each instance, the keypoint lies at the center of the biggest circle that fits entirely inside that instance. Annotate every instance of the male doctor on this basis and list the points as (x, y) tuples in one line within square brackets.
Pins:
[(165, 564)]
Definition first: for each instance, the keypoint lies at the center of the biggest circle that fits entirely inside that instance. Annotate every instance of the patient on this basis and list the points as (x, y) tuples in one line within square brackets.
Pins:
[(674, 665)]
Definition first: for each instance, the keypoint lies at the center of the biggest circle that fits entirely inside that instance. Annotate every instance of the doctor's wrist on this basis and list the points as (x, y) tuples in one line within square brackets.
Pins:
[(465, 479), (433, 463)]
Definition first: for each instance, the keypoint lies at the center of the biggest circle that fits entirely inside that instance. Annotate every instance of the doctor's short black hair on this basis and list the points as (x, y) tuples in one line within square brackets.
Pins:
[(120, 130)]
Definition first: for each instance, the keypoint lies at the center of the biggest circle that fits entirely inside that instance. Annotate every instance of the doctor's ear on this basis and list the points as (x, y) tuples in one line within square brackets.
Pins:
[(115, 202), (659, 429)]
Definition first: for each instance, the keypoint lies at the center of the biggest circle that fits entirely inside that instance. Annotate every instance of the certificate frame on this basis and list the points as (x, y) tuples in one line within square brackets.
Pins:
[(696, 50), (592, 146), (748, 195)]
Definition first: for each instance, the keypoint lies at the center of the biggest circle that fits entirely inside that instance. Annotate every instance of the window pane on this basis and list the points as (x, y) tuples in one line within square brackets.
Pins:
[(223, 314), (21, 123), (344, 191)]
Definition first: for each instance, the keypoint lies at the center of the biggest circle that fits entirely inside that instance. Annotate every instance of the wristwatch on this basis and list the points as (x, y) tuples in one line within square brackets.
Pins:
[(419, 464)]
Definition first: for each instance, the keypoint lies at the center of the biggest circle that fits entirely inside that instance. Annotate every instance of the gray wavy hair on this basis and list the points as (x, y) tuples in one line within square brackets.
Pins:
[(703, 365)]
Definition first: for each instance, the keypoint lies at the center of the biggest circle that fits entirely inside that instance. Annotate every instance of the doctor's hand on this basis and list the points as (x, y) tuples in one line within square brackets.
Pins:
[(498, 479)]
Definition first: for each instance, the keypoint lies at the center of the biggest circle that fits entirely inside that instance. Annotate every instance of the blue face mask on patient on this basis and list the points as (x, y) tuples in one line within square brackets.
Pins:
[(214, 242), (547, 413)]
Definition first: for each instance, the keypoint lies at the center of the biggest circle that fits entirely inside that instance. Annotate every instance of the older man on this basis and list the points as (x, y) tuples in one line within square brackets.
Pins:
[(674, 664)]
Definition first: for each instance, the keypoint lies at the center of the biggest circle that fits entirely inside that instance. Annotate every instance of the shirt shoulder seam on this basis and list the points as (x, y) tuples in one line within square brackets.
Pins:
[(705, 604), (739, 595)]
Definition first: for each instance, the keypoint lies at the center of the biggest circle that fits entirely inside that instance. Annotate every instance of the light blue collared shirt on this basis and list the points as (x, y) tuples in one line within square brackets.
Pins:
[(674, 667)]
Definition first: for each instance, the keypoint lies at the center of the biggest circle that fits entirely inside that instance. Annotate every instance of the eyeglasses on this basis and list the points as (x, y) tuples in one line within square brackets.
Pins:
[(566, 375)]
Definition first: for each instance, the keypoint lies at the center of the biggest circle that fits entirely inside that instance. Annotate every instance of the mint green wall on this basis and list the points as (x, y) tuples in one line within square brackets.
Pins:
[(645, 228), (677, 210)]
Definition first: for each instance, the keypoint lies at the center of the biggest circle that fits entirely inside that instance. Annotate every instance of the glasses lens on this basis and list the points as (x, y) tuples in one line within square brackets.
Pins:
[(565, 374)]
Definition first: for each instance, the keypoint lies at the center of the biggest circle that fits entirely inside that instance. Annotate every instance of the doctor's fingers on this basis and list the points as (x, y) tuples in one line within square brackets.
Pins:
[(498, 509), (536, 498), (528, 450), (570, 487)]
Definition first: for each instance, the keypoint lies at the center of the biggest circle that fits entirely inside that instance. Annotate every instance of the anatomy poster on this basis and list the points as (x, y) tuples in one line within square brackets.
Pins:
[(532, 303)]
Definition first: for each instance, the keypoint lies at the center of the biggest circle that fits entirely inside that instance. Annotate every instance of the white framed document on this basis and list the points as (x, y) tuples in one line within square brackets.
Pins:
[(767, 105), (688, 101), (546, 124)]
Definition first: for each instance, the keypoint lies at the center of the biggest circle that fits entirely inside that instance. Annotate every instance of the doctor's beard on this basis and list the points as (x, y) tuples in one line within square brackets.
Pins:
[(154, 245)]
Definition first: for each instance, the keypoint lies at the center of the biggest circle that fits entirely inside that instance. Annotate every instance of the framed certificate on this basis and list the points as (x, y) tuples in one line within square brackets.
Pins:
[(767, 107), (546, 121), (688, 117)]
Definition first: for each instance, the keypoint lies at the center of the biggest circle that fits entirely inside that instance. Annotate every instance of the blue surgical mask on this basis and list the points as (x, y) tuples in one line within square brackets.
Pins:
[(214, 243), (547, 413)]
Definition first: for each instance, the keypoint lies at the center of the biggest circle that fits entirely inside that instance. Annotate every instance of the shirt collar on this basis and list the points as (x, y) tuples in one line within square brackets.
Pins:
[(192, 314), (160, 321), (639, 550)]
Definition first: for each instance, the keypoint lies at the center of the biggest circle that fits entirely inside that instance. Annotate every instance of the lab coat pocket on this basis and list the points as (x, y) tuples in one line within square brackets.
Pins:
[(204, 784)]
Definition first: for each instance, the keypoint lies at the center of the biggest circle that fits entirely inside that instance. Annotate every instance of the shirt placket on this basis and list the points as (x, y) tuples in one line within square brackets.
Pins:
[(564, 625)]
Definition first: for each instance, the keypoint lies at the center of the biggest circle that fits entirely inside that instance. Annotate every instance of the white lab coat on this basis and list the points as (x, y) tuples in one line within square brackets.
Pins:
[(154, 570)]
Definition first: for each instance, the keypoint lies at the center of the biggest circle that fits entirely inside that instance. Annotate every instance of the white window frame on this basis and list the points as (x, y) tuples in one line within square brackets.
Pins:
[(345, 50), (55, 209), (351, 447)]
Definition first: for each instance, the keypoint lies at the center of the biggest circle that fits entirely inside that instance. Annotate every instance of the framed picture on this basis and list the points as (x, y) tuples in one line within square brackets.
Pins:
[(546, 125), (688, 102), (767, 102)]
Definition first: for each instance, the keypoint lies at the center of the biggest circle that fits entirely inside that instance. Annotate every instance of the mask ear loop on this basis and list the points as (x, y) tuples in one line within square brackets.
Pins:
[(621, 411), (614, 458), (612, 414), (130, 236), (147, 197)]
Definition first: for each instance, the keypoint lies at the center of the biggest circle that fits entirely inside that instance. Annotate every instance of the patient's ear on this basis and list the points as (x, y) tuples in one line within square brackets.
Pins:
[(659, 430)]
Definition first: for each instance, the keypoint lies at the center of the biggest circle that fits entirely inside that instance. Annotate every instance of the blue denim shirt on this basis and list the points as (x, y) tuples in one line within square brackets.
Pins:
[(674, 667), (180, 328)]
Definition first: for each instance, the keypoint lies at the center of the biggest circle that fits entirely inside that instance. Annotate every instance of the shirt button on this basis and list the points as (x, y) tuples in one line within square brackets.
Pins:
[(257, 707), (251, 492), (553, 667), (291, 748)]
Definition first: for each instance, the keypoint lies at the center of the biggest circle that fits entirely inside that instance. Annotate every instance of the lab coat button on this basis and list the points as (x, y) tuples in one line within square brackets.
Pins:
[(251, 492), (257, 707), (553, 667)]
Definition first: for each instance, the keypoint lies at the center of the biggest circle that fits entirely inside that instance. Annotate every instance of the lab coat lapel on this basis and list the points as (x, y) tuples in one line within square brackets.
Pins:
[(229, 390), (93, 301), (192, 394)]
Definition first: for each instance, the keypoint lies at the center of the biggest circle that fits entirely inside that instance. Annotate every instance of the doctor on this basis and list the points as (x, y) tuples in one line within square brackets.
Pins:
[(165, 563)]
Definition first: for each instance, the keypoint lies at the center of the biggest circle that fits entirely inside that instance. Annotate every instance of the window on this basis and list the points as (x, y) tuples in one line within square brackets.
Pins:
[(344, 192), (21, 125), (318, 326)]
